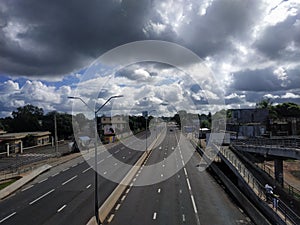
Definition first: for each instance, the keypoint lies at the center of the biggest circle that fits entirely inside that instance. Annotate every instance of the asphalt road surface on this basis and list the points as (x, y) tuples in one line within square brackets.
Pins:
[(188, 197), (65, 194), (183, 195)]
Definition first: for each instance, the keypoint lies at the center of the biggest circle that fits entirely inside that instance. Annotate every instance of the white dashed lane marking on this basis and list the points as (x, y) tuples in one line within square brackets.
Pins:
[(154, 216), (69, 180), (27, 188), (61, 208), (7, 217), (86, 169), (39, 198)]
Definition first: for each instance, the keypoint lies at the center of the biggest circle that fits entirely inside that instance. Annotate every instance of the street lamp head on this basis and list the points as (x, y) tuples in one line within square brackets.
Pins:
[(118, 96)]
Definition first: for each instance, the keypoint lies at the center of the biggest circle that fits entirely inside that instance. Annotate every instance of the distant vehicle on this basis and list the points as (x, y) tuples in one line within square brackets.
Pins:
[(171, 130)]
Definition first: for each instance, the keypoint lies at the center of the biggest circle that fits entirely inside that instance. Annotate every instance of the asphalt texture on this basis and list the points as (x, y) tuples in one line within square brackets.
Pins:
[(65, 194), (188, 197)]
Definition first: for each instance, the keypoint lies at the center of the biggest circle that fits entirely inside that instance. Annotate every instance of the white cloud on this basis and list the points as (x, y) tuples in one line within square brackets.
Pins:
[(290, 95)]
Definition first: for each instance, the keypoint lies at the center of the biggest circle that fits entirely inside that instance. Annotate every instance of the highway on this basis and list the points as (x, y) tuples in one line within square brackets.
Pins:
[(187, 197), (65, 194), (182, 195)]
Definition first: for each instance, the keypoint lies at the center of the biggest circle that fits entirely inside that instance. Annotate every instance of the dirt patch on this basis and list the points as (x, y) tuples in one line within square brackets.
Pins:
[(291, 172)]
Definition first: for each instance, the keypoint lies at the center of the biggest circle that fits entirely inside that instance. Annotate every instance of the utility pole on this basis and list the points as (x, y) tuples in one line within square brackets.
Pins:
[(55, 135)]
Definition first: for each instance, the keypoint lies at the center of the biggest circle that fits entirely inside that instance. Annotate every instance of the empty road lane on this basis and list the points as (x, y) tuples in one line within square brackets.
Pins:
[(187, 197)]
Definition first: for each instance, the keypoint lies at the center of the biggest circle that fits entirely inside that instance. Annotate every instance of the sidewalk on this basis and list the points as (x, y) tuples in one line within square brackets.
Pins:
[(39, 157)]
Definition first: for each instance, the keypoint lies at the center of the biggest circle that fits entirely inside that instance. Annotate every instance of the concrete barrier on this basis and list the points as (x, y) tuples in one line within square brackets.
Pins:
[(24, 180)]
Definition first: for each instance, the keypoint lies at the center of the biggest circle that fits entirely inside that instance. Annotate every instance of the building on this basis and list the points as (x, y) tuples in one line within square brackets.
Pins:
[(16, 141), (109, 127), (287, 126), (248, 122)]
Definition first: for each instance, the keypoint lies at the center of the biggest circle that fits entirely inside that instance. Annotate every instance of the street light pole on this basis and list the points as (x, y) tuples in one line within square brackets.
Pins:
[(95, 145)]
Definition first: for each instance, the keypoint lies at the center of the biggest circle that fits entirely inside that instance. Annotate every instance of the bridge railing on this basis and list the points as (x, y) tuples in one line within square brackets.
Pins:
[(278, 143), (285, 212), (293, 191)]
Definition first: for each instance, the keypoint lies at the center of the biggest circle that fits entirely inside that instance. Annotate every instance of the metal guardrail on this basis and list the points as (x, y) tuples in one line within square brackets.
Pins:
[(278, 143), (292, 191), (288, 214)]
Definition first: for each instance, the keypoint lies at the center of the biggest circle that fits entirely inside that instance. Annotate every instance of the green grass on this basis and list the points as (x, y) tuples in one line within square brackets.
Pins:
[(5, 184)]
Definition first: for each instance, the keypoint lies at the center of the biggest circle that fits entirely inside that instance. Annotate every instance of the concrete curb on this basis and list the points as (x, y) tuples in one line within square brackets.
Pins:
[(113, 198), (19, 183)]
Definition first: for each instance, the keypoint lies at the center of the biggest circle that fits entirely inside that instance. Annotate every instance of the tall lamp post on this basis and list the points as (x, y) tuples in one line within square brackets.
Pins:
[(95, 111)]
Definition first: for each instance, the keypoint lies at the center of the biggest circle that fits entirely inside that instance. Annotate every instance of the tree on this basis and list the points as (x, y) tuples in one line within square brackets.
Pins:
[(267, 104), (63, 121), (264, 104), (27, 118), (287, 109)]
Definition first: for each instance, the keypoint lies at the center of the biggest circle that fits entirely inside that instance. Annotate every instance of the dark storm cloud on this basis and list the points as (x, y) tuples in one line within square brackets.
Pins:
[(224, 22), (60, 36), (264, 80), (275, 40)]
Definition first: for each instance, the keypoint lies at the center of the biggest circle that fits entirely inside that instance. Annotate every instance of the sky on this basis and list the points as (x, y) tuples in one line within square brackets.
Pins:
[(248, 50)]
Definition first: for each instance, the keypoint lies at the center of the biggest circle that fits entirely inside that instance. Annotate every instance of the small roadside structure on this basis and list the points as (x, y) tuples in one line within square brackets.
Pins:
[(14, 142)]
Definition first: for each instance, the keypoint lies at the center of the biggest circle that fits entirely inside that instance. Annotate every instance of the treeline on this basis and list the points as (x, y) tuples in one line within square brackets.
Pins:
[(30, 118), (287, 109)]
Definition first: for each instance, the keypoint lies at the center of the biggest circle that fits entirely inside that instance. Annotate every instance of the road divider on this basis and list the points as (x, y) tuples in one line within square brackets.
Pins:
[(24, 180)]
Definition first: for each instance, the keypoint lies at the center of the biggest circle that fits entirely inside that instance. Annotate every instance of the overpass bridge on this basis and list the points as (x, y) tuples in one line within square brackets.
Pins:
[(279, 149)]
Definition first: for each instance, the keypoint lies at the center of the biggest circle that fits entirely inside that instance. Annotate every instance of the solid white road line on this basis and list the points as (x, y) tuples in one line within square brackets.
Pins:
[(27, 188), (69, 180), (7, 217), (39, 198), (61, 208)]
